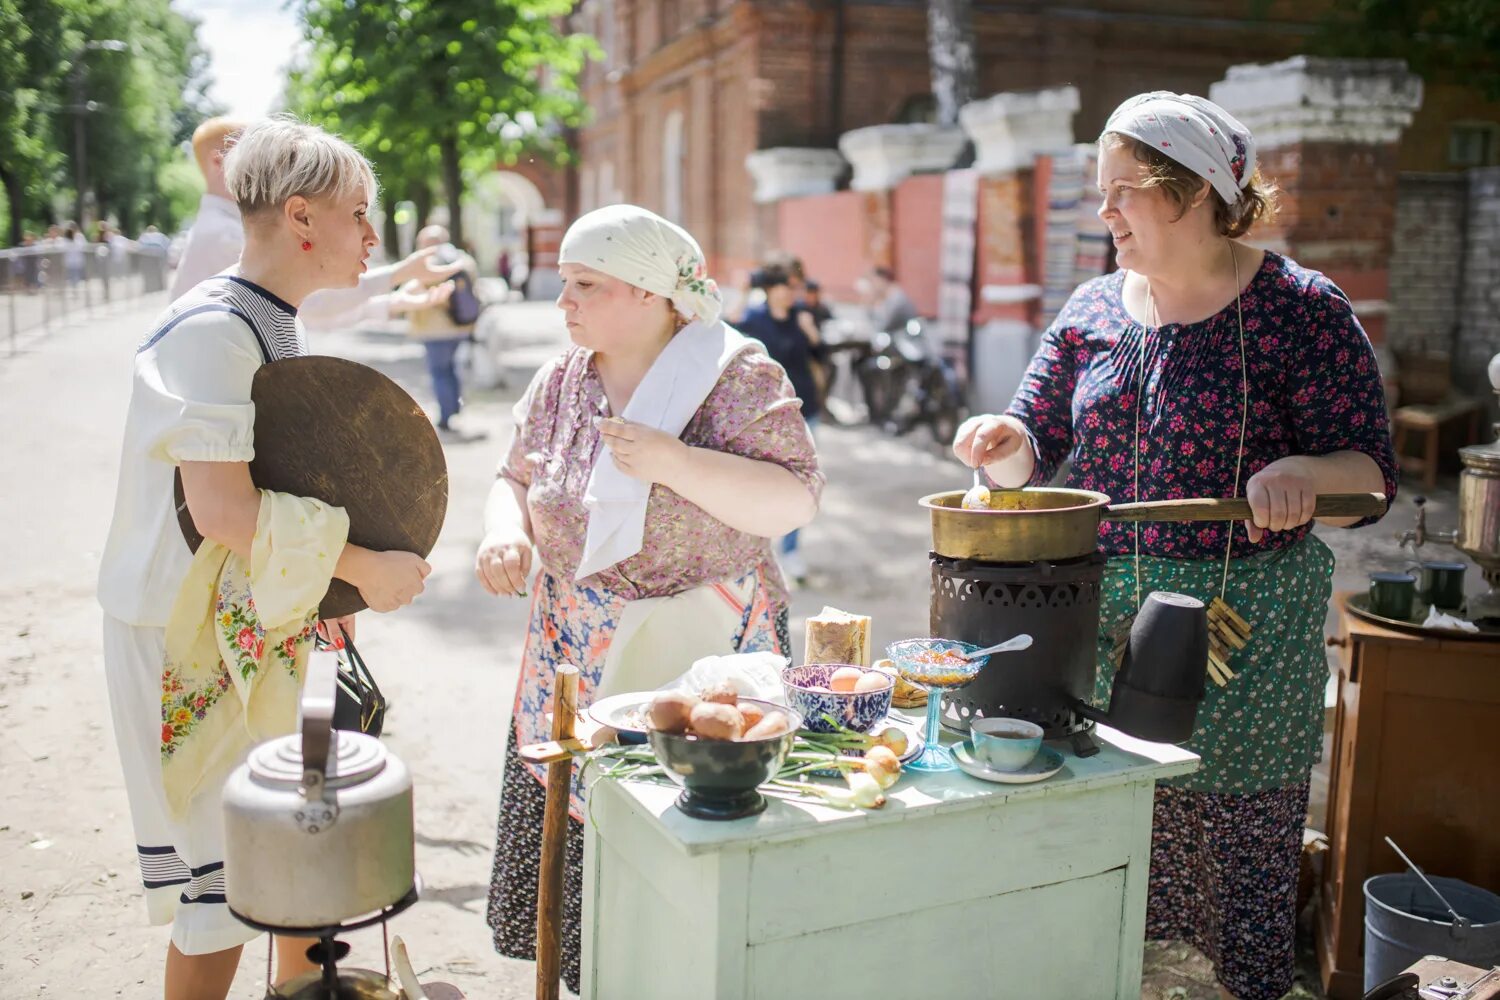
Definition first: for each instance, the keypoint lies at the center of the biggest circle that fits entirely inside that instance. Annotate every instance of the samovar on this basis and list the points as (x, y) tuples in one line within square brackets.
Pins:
[(1478, 533)]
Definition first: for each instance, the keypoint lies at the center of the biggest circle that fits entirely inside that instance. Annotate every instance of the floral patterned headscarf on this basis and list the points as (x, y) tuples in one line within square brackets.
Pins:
[(645, 250), (1195, 132)]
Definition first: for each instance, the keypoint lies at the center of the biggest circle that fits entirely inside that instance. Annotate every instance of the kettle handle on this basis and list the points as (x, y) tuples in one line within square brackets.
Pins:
[(318, 696)]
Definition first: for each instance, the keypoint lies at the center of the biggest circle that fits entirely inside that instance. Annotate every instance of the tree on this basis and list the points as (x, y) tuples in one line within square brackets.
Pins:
[(31, 34), (436, 88), (143, 96), (950, 46), (127, 74), (1455, 40)]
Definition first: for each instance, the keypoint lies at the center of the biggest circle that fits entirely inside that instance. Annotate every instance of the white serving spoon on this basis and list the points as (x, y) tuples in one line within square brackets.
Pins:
[(976, 497), (1011, 645)]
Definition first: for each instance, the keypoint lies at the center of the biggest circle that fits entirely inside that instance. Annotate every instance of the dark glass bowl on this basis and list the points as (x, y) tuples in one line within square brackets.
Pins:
[(720, 778)]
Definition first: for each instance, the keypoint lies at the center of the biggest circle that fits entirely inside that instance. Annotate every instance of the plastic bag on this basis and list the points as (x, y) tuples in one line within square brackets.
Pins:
[(753, 675)]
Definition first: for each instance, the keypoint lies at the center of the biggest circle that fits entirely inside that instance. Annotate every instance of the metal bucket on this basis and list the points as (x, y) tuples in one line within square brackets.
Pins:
[(1405, 922)]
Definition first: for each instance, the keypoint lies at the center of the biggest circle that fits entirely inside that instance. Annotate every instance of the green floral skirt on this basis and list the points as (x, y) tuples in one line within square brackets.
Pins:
[(1265, 728)]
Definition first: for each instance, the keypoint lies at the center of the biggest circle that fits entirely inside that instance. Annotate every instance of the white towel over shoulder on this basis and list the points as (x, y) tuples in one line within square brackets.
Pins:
[(676, 385)]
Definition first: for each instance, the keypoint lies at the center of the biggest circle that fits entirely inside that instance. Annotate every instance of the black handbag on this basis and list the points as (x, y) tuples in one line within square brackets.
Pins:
[(358, 706)]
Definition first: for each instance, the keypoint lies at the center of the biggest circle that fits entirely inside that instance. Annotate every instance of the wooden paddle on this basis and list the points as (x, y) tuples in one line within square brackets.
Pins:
[(345, 434), (555, 840)]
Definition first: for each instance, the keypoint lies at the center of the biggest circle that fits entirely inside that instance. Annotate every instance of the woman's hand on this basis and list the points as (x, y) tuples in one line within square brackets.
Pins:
[(390, 580), (988, 438), (1282, 496), (642, 452), (503, 564), (333, 630)]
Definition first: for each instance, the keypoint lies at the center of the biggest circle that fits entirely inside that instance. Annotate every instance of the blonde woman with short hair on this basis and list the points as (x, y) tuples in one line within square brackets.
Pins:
[(304, 196)]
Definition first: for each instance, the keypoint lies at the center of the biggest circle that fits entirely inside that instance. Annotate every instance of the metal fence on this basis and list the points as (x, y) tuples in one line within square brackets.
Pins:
[(52, 283)]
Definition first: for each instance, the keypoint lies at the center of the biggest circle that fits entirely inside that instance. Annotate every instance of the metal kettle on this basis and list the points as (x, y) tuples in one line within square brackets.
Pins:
[(318, 825)]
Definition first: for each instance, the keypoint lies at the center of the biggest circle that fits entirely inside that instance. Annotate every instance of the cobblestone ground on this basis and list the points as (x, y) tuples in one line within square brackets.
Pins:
[(71, 922)]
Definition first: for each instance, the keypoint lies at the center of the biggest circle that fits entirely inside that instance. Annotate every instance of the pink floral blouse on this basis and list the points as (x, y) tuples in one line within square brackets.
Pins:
[(751, 411)]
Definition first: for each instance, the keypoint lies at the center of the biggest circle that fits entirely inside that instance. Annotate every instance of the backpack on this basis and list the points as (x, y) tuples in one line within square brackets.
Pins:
[(463, 304)]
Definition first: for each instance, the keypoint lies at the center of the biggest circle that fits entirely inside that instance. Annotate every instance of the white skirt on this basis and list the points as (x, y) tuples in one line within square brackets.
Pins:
[(181, 862)]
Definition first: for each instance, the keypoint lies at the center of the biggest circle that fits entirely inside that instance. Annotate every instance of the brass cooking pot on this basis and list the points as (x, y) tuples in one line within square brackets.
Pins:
[(1051, 523)]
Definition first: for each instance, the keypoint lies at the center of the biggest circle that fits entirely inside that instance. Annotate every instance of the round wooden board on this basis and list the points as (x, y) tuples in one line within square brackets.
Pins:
[(345, 434)]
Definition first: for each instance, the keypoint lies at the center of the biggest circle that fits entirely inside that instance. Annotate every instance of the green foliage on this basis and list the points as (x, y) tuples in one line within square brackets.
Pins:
[(31, 33), (60, 59), (440, 88), (180, 185), (1450, 40)]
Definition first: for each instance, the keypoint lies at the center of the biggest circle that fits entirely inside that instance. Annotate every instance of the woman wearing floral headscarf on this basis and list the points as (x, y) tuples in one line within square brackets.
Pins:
[(1208, 368), (652, 464)]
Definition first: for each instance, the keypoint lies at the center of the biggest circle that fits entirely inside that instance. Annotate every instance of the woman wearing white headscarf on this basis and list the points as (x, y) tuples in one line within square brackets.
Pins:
[(1208, 368), (652, 465)]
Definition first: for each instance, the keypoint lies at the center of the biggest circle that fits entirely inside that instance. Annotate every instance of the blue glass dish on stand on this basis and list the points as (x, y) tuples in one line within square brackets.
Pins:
[(935, 678)]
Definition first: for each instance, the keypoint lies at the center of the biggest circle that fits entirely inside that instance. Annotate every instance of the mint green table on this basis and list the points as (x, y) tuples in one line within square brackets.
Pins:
[(956, 888)]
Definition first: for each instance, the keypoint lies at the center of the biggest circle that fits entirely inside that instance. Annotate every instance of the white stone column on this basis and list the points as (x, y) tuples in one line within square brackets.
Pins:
[(885, 155), (794, 172), (1010, 130), (1311, 99)]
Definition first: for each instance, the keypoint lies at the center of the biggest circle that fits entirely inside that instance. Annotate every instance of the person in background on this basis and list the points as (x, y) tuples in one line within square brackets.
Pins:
[(792, 340), (889, 306), (75, 246), (154, 238), (214, 242), (813, 304), (31, 264), (442, 326)]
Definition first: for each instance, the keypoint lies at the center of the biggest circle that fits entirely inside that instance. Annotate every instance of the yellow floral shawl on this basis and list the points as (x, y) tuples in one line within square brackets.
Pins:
[(246, 627)]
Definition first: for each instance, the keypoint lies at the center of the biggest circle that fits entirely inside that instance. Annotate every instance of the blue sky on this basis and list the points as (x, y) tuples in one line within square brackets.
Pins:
[(250, 43)]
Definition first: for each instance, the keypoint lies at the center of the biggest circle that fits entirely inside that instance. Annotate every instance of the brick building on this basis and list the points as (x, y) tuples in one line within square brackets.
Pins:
[(688, 89)]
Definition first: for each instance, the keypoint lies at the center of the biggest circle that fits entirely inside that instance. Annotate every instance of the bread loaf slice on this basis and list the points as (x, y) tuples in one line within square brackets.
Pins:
[(835, 636)]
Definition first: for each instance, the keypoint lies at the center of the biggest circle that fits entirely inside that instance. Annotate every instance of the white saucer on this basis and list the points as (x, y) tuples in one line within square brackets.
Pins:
[(624, 713), (1046, 763)]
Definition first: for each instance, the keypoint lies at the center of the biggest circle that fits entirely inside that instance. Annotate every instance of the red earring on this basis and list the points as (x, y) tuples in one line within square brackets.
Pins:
[(306, 245)]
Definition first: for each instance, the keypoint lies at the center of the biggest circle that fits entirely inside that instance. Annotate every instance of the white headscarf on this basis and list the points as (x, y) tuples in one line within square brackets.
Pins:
[(1196, 133), (643, 249)]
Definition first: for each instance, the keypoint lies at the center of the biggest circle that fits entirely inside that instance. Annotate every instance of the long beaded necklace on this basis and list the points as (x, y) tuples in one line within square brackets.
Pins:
[(1228, 633)]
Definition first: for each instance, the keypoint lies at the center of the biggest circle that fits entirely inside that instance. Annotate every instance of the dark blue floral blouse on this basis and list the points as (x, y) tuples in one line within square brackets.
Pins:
[(1314, 388)]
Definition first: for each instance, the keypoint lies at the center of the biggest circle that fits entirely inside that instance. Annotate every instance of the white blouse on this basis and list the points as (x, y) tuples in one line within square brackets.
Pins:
[(189, 402)]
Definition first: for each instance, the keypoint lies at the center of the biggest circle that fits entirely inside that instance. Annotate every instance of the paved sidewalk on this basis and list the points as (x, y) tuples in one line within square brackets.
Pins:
[(70, 915)]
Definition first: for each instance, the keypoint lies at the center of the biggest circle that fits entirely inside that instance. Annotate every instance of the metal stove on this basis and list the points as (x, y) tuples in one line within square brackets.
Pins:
[(1057, 602)]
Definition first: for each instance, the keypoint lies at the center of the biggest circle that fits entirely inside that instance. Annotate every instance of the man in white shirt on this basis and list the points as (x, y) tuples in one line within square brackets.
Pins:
[(217, 236)]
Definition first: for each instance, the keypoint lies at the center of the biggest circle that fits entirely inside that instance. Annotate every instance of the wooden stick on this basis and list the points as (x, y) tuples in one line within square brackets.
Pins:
[(555, 841), (1231, 616), (1238, 509), (554, 750)]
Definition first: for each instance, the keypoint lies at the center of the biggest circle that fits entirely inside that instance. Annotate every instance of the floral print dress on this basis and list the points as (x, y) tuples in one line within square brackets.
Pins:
[(1313, 388), (752, 411)]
